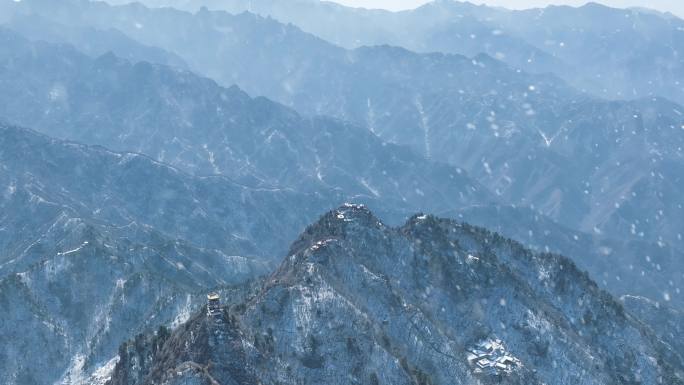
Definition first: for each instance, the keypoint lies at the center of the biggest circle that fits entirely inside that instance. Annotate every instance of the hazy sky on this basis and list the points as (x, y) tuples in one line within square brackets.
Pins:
[(674, 6)]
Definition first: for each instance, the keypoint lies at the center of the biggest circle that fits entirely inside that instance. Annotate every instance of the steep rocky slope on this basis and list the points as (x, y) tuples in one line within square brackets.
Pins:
[(358, 302), (191, 123), (65, 315), (53, 177), (617, 265), (96, 245), (666, 322)]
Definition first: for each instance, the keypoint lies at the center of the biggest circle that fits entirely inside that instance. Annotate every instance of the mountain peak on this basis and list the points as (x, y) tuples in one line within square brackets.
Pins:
[(336, 224), (417, 305)]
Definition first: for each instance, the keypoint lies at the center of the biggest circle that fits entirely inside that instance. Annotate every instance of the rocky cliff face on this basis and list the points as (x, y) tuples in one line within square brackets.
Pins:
[(357, 302), (199, 127)]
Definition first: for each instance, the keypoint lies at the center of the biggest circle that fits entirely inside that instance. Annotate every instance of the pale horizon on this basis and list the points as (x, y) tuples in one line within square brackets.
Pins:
[(676, 8)]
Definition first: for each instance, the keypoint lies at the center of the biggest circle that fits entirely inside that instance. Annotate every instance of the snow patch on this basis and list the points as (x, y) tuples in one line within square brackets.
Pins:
[(184, 313), (103, 373), (370, 119), (212, 159), (11, 189), (369, 273), (74, 250), (74, 374), (57, 93), (370, 188), (425, 125)]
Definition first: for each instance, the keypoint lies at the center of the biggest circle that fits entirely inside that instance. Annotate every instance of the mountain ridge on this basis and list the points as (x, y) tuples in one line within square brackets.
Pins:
[(340, 309), (285, 150), (533, 121), (525, 39), (87, 268)]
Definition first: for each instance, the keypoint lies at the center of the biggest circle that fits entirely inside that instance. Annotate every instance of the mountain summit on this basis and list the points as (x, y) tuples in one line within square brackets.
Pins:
[(358, 302)]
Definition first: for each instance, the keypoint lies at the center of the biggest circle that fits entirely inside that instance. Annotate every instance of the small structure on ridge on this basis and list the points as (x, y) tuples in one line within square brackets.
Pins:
[(213, 304), (491, 357)]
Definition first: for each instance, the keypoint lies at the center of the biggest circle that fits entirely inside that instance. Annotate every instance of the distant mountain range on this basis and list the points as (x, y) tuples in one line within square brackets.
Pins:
[(197, 126), (44, 175), (152, 178), (612, 53), (191, 123), (359, 302), (145, 231), (529, 138)]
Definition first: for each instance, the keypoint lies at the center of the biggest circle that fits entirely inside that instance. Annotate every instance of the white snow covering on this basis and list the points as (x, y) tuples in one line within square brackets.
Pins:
[(24, 278), (303, 306), (548, 140), (103, 373), (74, 250), (74, 374), (537, 323), (212, 159), (369, 273), (184, 313), (370, 188), (425, 125), (57, 93), (11, 189), (544, 274), (371, 116)]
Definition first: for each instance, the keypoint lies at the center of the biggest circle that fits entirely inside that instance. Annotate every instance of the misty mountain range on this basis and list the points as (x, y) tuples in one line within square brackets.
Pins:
[(151, 155), (524, 126), (612, 53)]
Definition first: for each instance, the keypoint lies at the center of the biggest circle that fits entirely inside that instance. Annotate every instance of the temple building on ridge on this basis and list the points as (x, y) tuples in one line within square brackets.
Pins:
[(490, 357), (213, 304)]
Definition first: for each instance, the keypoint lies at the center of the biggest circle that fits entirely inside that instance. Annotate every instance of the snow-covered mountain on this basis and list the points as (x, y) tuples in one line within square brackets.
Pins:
[(55, 178), (356, 301), (153, 179), (614, 53), (603, 170), (623, 267), (590, 164), (91, 41), (195, 125), (65, 315), (97, 246), (202, 128)]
